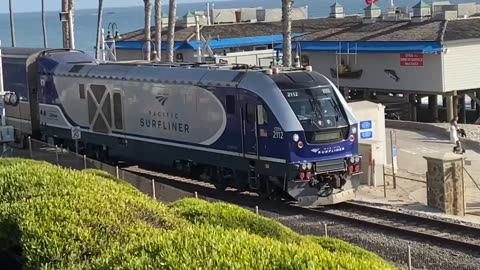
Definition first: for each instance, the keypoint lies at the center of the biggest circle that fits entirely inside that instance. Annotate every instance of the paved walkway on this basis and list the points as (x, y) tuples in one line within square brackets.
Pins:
[(411, 194)]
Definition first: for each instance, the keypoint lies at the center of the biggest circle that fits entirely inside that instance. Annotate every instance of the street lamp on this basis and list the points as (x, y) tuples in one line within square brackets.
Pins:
[(112, 28)]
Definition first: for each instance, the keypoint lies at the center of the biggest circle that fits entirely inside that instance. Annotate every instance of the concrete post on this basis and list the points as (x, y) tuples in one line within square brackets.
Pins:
[(462, 116), (455, 104), (413, 107), (445, 186), (450, 109), (478, 105), (433, 107)]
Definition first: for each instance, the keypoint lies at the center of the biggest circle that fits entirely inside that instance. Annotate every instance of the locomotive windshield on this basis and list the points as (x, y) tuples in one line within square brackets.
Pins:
[(316, 106), (320, 113)]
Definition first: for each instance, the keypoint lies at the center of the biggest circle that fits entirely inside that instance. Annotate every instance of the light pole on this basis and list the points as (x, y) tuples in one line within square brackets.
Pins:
[(199, 50)]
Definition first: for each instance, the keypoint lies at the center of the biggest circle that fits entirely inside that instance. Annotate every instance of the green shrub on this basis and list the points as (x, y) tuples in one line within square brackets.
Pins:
[(52, 218), (235, 217), (232, 217)]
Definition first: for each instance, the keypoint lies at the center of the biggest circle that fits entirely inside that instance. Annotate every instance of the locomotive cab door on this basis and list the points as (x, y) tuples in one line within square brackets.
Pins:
[(249, 127)]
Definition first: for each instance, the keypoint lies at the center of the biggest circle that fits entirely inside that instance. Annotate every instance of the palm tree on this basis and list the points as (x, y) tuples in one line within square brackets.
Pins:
[(148, 16), (172, 10), (158, 28), (12, 24), (287, 32), (99, 29), (44, 25)]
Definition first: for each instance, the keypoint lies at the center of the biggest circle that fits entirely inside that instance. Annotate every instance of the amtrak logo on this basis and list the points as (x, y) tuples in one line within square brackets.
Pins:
[(328, 150), (162, 99)]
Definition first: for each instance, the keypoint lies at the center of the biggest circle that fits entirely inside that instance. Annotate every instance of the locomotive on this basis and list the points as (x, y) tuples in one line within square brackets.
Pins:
[(274, 131)]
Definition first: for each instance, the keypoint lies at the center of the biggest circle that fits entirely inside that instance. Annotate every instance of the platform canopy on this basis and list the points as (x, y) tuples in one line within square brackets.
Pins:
[(367, 46)]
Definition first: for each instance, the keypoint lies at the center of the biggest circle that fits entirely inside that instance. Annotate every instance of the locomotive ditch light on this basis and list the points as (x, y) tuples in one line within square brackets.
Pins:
[(354, 130), (357, 159), (351, 138), (352, 160), (300, 144), (296, 137), (309, 166)]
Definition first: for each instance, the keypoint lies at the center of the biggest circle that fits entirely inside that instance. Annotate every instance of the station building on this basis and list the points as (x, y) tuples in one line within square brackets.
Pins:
[(399, 56)]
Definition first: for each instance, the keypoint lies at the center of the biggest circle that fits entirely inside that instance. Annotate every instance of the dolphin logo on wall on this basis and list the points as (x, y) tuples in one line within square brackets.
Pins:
[(392, 74)]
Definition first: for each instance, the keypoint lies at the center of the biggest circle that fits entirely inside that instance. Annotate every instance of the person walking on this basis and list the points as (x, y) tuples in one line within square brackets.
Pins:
[(454, 129)]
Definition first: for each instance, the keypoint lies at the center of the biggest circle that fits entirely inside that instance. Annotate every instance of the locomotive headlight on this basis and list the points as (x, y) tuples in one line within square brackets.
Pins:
[(357, 159), (352, 160), (354, 130), (13, 99), (296, 137), (304, 166), (309, 166)]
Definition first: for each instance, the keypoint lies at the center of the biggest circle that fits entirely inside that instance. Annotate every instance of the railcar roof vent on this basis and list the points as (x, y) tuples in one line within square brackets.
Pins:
[(299, 77), (76, 68)]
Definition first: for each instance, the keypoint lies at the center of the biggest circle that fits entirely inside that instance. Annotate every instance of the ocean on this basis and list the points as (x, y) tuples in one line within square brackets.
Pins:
[(28, 26)]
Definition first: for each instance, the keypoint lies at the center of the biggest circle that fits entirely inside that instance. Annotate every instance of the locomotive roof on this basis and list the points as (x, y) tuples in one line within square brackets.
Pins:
[(20, 52)]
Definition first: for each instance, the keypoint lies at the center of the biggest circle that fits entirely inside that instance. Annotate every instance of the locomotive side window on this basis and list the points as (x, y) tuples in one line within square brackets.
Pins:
[(230, 104), (250, 113), (262, 115), (117, 110)]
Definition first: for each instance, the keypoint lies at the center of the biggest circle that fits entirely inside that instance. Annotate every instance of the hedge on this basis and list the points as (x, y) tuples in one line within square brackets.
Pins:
[(53, 218), (235, 217)]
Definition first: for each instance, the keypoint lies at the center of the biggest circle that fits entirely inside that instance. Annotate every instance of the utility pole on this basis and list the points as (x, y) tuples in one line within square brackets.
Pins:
[(12, 23), (44, 25), (99, 49)]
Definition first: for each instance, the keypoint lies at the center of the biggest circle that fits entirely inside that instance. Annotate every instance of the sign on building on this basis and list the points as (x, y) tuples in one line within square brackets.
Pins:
[(366, 129), (411, 59)]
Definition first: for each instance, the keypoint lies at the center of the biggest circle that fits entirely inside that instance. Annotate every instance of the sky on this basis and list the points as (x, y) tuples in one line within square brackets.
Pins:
[(54, 5)]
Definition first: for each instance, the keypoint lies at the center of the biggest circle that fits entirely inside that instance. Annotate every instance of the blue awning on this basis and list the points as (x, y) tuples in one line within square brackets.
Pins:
[(243, 41), (138, 45), (368, 46)]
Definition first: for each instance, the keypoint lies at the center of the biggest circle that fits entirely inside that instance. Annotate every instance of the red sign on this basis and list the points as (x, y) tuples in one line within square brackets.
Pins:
[(411, 59), (369, 2)]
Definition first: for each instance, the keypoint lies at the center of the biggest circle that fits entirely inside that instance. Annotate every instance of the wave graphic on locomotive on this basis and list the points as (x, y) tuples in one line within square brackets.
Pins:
[(276, 131)]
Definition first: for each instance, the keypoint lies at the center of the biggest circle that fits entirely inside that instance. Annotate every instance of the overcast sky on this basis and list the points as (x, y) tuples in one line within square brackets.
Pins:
[(35, 5)]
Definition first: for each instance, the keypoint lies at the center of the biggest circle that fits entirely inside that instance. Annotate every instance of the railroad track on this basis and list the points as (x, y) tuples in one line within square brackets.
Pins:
[(452, 235), (437, 232)]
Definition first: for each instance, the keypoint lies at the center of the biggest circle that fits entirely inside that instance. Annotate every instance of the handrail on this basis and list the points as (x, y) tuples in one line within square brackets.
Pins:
[(471, 177)]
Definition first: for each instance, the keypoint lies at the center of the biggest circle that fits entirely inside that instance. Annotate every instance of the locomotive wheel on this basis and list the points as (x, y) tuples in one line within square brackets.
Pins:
[(217, 179)]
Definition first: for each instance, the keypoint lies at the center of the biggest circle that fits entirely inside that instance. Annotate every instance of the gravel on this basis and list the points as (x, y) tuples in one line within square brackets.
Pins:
[(391, 248)]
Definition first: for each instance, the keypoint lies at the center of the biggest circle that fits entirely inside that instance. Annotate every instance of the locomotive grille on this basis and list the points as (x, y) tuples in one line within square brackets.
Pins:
[(330, 166)]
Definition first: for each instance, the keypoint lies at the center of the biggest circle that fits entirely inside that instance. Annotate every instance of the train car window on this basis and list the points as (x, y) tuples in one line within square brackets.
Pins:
[(230, 104), (250, 113), (262, 115), (81, 90), (117, 110)]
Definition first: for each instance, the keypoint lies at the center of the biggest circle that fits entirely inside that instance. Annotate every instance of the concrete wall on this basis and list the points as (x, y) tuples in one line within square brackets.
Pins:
[(427, 78), (462, 65)]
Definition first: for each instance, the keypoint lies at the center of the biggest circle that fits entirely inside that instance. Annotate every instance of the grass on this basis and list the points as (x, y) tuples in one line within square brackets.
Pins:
[(53, 218)]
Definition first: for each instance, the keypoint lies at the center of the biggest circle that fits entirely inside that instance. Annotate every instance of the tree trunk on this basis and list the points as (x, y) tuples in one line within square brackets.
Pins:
[(158, 28), (287, 32), (99, 30), (44, 26), (65, 26), (148, 38), (171, 29), (12, 24)]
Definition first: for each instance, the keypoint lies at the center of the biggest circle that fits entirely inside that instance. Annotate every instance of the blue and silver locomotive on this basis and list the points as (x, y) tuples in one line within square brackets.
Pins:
[(274, 131)]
